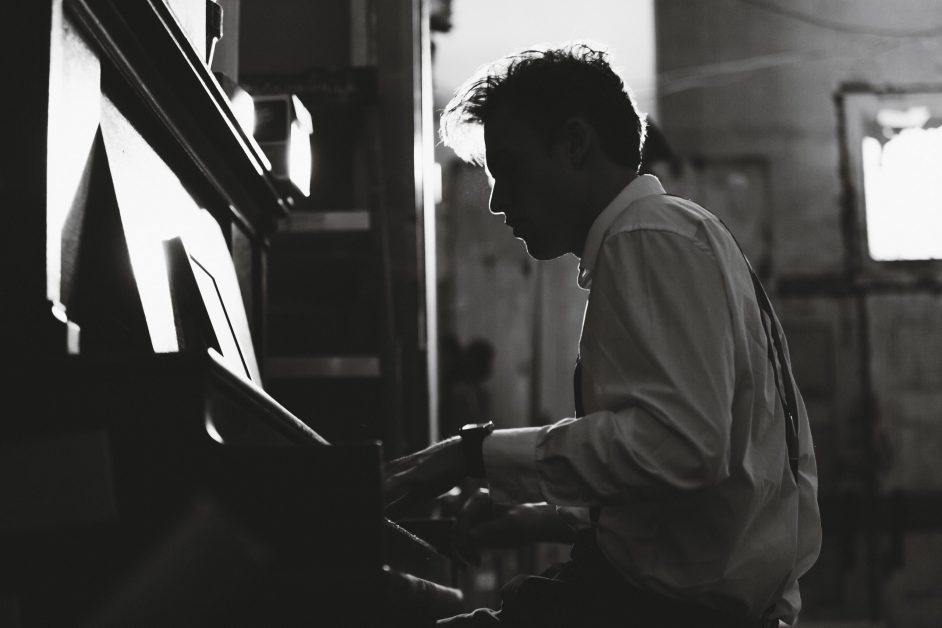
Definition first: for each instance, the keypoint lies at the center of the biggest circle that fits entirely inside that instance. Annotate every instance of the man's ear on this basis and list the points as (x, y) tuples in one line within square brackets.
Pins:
[(580, 139)]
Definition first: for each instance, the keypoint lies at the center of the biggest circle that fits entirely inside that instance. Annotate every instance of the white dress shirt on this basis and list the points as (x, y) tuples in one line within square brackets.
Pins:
[(683, 440)]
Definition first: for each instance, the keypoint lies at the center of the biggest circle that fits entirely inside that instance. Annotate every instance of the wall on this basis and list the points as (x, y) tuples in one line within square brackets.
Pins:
[(280, 37), (735, 79), (756, 79)]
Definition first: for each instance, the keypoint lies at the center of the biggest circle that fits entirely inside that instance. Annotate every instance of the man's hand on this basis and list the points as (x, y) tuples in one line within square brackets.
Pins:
[(422, 476), (483, 523)]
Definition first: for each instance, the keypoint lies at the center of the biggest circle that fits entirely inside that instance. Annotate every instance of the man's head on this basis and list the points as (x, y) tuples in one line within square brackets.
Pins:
[(559, 136)]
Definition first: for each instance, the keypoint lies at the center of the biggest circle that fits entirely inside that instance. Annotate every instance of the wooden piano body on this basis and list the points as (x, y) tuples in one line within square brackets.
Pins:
[(145, 480)]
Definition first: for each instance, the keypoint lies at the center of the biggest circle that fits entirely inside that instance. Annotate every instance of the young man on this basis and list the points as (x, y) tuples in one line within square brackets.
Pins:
[(687, 480)]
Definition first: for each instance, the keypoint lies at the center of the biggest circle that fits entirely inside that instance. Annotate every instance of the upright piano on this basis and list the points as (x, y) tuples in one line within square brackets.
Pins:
[(146, 478)]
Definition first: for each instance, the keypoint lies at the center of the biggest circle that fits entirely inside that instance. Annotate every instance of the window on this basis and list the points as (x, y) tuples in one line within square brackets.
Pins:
[(893, 143)]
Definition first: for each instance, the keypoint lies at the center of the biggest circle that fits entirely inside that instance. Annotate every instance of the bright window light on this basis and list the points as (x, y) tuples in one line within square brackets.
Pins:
[(902, 159)]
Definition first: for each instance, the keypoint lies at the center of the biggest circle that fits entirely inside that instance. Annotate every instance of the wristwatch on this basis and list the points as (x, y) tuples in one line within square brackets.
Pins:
[(472, 441)]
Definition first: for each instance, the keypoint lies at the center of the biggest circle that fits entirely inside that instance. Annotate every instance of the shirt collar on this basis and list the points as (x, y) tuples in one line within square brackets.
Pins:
[(641, 186)]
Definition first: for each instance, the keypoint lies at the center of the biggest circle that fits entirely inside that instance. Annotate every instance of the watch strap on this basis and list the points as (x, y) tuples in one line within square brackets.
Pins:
[(472, 444)]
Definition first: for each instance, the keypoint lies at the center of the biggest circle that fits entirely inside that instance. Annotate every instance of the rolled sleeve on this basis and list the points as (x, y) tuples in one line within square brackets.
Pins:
[(510, 464)]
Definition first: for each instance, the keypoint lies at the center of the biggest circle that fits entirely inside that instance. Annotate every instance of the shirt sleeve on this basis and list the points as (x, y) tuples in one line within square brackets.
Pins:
[(662, 372)]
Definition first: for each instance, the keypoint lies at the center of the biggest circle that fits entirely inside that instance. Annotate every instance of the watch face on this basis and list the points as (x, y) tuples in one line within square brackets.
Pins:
[(477, 428)]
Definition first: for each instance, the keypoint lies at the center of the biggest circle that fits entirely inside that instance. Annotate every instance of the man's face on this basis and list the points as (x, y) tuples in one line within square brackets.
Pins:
[(531, 185)]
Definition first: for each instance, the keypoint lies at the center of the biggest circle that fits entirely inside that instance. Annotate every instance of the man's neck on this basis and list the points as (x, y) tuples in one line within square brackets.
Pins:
[(600, 194)]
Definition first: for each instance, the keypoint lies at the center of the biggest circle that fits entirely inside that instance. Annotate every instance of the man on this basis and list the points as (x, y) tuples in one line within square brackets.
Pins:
[(688, 477)]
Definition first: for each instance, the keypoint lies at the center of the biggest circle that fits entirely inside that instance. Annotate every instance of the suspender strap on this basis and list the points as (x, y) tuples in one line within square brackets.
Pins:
[(787, 393), (788, 399), (577, 387)]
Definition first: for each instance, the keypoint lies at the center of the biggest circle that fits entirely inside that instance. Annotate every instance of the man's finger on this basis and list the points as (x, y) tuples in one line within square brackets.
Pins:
[(404, 498), (399, 464), (398, 508), (403, 491), (399, 484)]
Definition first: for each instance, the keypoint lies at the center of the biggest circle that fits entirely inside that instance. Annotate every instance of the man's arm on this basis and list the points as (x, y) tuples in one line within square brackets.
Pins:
[(664, 373), (482, 522), (662, 369)]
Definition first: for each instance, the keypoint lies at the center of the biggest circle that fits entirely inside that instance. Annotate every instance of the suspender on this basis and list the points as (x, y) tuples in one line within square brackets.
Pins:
[(774, 341), (785, 388), (788, 399)]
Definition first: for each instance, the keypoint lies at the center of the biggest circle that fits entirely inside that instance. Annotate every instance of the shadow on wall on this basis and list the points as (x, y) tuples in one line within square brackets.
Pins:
[(463, 372)]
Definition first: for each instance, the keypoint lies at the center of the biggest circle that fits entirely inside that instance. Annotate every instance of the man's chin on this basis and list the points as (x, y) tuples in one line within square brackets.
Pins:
[(540, 253)]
